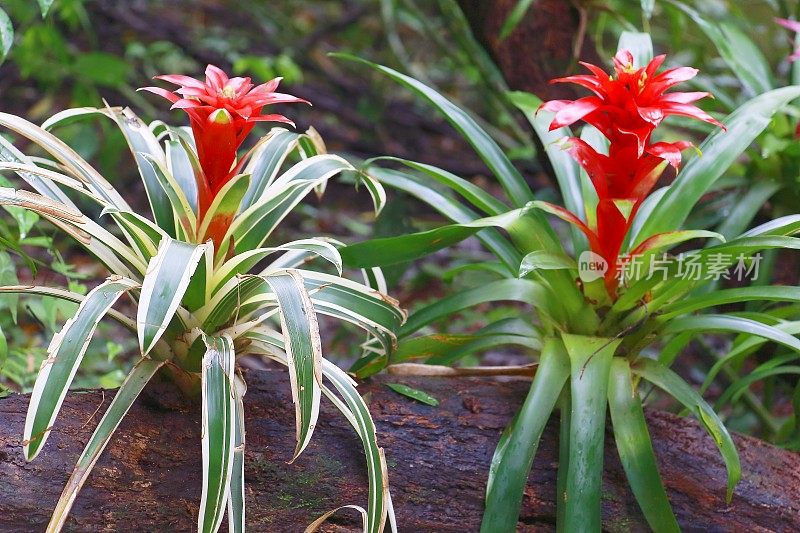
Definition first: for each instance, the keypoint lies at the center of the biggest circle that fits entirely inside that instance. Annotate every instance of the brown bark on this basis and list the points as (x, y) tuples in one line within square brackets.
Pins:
[(545, 45), (149, 477)]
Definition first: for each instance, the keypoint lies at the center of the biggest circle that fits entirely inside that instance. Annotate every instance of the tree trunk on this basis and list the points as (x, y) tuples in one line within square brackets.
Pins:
[(544, 45), (149, 477)]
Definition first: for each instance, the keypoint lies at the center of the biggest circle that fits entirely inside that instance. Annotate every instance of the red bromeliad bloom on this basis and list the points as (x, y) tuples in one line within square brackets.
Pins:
[(795, 27), (222, 112), (626, 107)]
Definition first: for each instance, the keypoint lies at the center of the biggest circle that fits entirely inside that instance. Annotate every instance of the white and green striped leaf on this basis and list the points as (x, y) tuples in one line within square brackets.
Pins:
[(141, 142), (163, 288), (139, 376), (243, 262), (98, 241), (185, 219), (303, 350), (68, 157), (353, 407), (253, 226), (236, 523), (266, 162), (225, 205), (218, 430), (65, 353)]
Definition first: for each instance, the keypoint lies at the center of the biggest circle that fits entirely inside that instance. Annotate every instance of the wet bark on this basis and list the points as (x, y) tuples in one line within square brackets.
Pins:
[(545, 45), (149, 478)]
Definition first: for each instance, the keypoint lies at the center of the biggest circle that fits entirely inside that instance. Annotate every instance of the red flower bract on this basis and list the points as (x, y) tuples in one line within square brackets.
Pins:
[(625, 107), (222, 112)]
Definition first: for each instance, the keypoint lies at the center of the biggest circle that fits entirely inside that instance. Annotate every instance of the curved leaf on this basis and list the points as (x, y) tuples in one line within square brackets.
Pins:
[(303, 350), (65, 354), (706, 323), (509, 177), (513, 457), (719, 151), (670, 382), (163, 288), (520, 290), (218, 430), (134, 383)]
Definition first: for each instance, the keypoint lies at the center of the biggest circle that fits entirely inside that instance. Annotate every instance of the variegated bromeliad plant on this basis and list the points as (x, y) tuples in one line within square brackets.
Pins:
[(195, 272), (601, 341)]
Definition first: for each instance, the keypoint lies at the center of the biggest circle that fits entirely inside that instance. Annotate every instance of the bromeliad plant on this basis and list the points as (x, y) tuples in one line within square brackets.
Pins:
[(196, 275), (601, 337)]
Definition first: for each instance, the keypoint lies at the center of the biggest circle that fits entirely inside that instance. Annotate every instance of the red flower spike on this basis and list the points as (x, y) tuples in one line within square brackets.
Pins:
[(222, 112), (626, 108), (794, 26)]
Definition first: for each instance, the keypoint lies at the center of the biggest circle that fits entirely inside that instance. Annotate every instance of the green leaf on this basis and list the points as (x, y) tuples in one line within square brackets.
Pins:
[(729, 296), (515, 17), (393, 250), (671, 238), (225, 205), (744, 348), (106, 70), (590, 362), (303, 350), (44, 5), (414, 394), (638, 44), (479, 198), (130, 389), (266, 162), (670, 382), (6, 35), (746, 207), (236, 498), (737, 50), (218, 430), (163, 288), (454, 211), (513, 457), (541, 260), (509, 177), (707, 323), (519, 290), (719, 151), (65, 353), (636, 450)]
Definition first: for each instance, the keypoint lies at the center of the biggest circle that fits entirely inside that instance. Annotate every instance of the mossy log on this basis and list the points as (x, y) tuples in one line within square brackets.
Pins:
[(149, 477)]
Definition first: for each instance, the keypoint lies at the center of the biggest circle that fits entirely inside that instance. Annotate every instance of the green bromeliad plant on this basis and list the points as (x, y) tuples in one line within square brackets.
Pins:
[(612, 309), (206, 281)]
